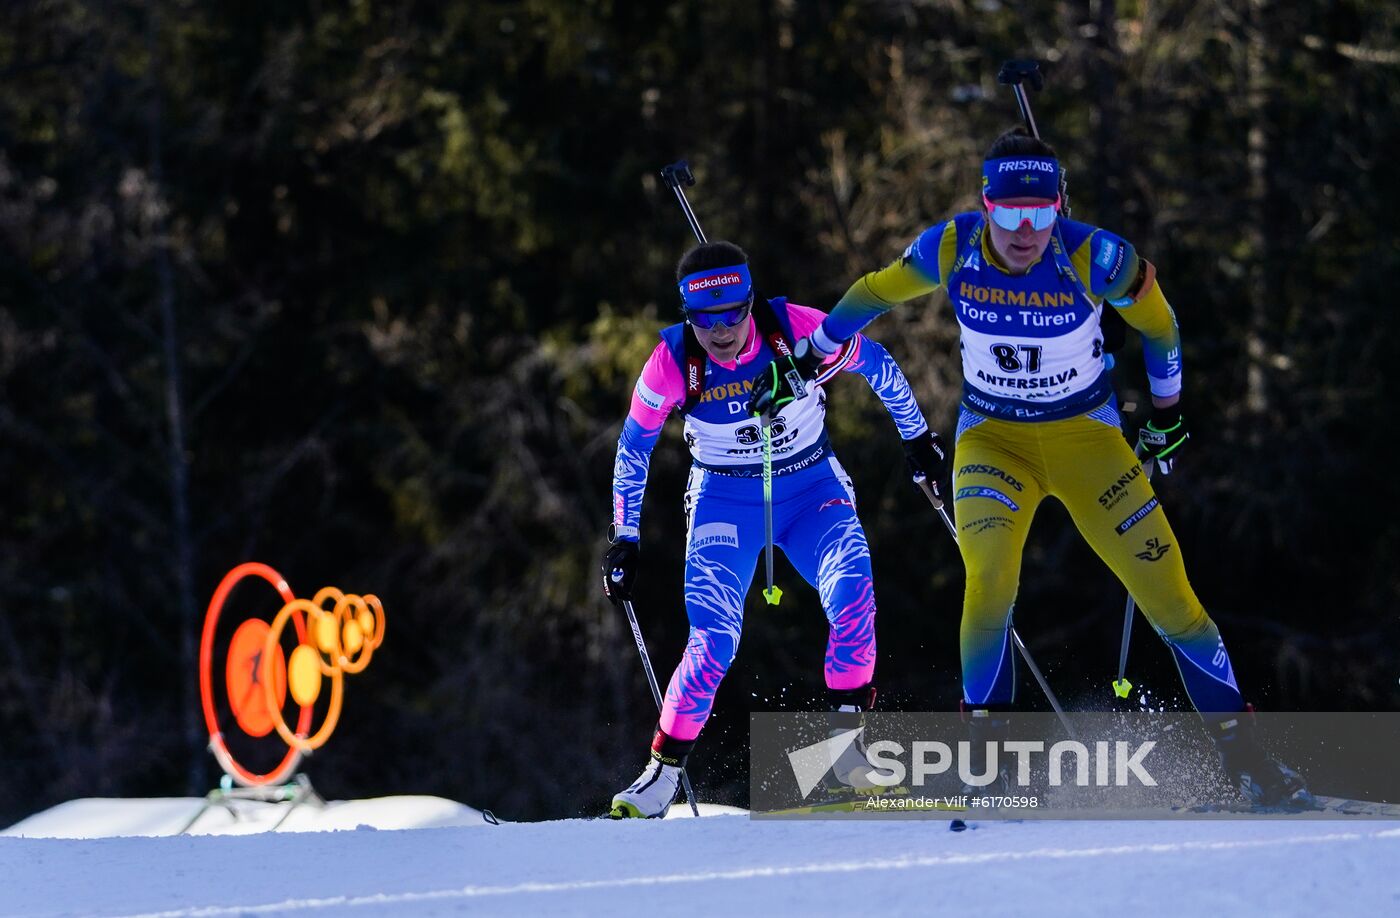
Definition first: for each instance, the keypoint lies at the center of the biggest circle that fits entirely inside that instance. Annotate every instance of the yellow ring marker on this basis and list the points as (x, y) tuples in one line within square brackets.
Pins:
[(304, 675), (347, 634), (326, 629), (327, 635), (305, 744), (352, 637), (348, 613)]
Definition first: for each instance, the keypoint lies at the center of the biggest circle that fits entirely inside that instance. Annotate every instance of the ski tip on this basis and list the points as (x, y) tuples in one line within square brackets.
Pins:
[(1121, 687), (621, 809), (1303, 799)]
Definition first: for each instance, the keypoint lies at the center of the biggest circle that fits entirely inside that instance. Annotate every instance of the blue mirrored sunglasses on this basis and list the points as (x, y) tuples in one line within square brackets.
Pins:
[(727, 317)]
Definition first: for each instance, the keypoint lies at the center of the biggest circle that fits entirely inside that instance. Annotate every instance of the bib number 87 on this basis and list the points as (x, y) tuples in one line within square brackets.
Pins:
[(1009, 359)]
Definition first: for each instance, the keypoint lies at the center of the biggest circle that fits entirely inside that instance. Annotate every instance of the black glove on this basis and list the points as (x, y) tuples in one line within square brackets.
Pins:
[(620, 570), (785, 380), (927, 459), (1163, 437)]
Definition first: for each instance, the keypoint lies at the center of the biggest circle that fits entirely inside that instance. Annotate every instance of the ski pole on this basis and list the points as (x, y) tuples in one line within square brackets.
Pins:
[(1014, 73), (1121, 686), (1039, 676), (771, 593), (651, 680), (676, 175), (924, 486)]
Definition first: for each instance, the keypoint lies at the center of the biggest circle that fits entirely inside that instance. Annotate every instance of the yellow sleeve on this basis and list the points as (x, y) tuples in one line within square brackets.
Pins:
[(913, 274), (895, 283)]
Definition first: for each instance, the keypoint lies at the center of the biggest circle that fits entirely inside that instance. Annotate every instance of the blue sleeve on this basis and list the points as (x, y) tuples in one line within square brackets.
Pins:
[(923, 253), (887, 379), (634, 448), (1110, 267), (1113, 266)]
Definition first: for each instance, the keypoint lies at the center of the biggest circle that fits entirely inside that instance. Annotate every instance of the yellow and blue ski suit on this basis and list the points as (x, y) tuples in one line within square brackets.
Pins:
[(1039, 418)]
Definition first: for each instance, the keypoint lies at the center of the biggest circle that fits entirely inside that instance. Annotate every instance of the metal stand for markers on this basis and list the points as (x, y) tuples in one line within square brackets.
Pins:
[(298, 792)]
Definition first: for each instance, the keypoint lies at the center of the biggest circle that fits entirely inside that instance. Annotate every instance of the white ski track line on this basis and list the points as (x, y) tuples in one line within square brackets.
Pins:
[(942, 860)]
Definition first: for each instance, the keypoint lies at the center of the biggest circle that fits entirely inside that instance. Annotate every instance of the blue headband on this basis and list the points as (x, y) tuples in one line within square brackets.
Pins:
[(1021, 177), (713, 286)]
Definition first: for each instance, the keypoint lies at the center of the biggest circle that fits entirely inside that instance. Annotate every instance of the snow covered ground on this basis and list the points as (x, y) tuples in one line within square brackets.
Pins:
[(98, 817), (722, 864)]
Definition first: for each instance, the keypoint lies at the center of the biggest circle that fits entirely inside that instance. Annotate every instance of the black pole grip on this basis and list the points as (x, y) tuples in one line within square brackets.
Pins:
[(678, 174), (1015, 71)]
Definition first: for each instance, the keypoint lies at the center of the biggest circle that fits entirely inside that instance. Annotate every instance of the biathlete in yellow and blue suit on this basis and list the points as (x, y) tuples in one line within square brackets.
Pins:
[(1039, 418)]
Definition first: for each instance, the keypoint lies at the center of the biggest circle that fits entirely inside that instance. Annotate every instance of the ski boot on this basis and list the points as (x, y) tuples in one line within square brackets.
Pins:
[(1261, 778), (851, 770), (987, 723), (651, 795)]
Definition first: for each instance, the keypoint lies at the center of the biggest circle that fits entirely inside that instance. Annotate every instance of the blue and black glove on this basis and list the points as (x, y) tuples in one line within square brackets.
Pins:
[(1163, 437), (620, 570), (785, 380), (927, 459)]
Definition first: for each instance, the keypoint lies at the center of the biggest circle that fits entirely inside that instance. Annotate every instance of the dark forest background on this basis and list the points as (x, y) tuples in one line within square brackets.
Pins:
[(359, 290)]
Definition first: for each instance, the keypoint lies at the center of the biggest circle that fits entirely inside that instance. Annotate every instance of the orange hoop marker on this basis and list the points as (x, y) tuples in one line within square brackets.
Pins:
[(316, 617), (217, 746), (337, 633)]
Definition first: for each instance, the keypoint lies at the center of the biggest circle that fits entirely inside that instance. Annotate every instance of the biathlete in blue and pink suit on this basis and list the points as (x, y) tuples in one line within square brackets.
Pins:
[(703, 368)]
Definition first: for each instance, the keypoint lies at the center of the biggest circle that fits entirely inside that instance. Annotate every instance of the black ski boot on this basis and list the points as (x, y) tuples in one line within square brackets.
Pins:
[(1261, 778), (988, 723), (851, 770)]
